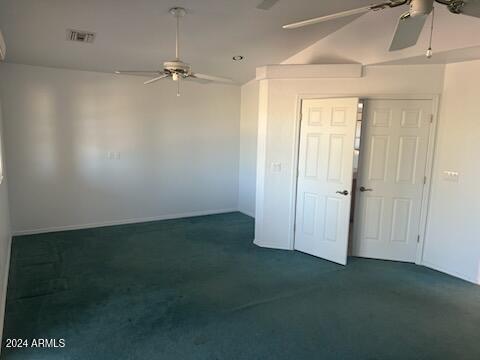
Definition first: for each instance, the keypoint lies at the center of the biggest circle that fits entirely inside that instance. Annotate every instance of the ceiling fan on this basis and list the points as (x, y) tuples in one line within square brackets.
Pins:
[(409, 25), (176, 69)]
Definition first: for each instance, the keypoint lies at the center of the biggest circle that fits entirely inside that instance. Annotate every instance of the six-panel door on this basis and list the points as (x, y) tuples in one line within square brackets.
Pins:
[(390, 180), (325, 177)]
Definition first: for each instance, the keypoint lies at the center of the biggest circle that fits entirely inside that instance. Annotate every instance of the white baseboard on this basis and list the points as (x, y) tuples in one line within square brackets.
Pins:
[(451, 272), (122, 222)]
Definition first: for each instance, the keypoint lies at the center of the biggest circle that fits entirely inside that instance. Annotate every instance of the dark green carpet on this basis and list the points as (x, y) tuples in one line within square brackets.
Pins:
[(199, 289)]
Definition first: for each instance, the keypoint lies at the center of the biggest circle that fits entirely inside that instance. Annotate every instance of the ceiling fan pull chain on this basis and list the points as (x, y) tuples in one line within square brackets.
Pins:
[(178, 86), (429, 50)]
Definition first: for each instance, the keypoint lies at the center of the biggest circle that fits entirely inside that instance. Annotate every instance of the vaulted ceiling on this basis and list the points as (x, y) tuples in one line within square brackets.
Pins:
[(140, 34), (366, 41)]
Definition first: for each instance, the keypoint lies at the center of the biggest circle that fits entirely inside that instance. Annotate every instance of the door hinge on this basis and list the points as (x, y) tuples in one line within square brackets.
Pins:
[(418, 238), (424, 180), (431, 118)]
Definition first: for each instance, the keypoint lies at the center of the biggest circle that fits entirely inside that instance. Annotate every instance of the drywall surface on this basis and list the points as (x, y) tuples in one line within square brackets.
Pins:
[(278, 128), (453, 233), (87, 148), (5, 238), (248, 148)]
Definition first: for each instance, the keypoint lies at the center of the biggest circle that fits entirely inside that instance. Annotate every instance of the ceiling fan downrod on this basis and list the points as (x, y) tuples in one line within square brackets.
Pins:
[(178, 12)]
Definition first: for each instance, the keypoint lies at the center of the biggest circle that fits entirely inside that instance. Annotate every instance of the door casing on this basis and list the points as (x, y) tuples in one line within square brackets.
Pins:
[(435, 98)]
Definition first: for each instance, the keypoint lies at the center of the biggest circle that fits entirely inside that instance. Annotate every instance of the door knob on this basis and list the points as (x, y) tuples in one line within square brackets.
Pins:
[(363, 189), (344, 192)]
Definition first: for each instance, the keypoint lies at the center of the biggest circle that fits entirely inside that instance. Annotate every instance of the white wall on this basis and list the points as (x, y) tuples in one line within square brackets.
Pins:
[(178, 155), (5, 238), (248, 148), (277, 135), (453, 233)]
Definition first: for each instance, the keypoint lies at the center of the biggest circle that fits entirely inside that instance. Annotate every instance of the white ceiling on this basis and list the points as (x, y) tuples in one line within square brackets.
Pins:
[(139, 34)]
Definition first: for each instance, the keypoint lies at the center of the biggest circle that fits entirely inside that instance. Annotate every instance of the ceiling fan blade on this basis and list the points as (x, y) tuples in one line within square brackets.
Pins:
[(407, 32), (162, 76), (471, 8), (266, 4), (197, 80), (212, 78), (139, 72), (328, 17)]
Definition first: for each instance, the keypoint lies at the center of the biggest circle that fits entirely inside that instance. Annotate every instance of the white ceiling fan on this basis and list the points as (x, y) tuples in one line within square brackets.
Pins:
[(409, 25), (176, 69)]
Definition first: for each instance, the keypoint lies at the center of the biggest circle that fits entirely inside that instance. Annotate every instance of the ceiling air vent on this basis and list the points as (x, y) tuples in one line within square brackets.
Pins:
[(80, 36)]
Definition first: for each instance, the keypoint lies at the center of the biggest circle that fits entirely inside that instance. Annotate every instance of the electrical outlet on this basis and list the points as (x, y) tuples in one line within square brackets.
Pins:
[(449, 175)]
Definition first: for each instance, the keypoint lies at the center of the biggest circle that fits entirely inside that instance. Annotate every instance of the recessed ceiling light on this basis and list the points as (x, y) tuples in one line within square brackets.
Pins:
[(237, 58)]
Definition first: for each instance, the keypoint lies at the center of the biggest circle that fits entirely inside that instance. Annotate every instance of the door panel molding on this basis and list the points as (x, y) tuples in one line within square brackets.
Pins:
[(404, 163), (324, 173), (434, 97)]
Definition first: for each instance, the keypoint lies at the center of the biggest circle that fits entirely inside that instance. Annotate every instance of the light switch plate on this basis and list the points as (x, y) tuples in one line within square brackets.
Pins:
[(276, 167), (113, 155)]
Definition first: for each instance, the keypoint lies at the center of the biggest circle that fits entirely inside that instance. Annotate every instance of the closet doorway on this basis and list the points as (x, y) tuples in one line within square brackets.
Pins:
[(364, 185)]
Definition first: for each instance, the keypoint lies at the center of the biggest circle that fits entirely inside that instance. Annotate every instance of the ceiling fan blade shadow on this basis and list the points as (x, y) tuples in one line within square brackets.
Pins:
[(266, 4), (407, 32), (213, 78), (163, 76)]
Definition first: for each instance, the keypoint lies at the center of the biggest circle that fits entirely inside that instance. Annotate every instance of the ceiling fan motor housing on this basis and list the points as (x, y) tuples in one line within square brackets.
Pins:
[(177, 67), (455, 6), (420, 7)]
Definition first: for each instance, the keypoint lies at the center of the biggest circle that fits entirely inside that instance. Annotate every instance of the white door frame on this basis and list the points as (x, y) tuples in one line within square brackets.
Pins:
[(432, 139)]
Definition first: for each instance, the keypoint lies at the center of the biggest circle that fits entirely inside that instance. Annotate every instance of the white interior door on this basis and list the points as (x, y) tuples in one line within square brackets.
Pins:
[(325, 177), (391, 179)]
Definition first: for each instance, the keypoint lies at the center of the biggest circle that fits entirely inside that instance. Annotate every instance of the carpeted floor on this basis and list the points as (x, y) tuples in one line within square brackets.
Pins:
[(198, 288)]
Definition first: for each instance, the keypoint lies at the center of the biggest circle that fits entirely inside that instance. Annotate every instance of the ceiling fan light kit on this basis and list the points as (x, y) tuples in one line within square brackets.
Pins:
[(176, 69)]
